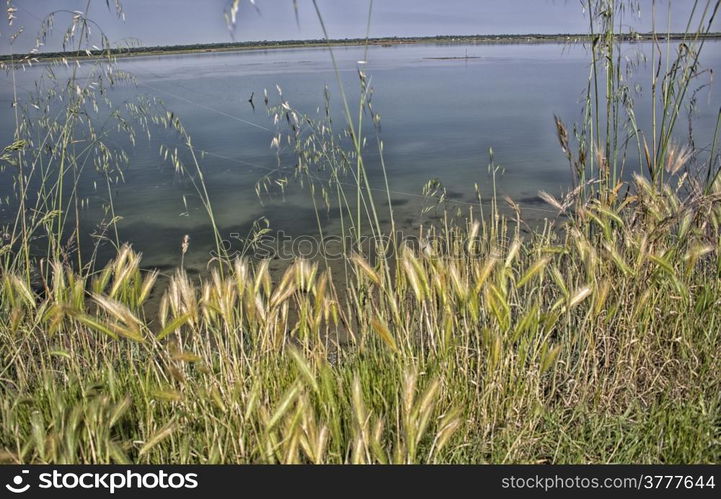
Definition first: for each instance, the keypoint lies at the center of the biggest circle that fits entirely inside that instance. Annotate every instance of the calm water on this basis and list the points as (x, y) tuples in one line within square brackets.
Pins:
[(439, 119)]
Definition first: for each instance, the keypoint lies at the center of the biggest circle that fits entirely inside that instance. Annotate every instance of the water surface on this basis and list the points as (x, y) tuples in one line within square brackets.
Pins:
[(439, 118)]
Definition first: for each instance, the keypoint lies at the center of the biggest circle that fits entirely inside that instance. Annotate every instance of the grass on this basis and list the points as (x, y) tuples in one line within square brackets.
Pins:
[(563, 348), (592, 339)]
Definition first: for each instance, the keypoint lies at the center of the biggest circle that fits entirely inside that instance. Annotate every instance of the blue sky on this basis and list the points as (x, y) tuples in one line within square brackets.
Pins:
[(173, 22)]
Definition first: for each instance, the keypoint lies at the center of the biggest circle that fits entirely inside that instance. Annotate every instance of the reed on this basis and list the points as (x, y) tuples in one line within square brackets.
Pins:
[(594, 338)]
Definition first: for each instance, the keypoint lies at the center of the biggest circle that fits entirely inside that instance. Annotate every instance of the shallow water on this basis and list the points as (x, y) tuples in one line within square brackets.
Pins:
[(439, 119)]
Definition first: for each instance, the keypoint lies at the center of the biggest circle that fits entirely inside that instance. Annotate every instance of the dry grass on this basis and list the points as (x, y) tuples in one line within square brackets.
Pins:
[(595, 339), (598, 342)]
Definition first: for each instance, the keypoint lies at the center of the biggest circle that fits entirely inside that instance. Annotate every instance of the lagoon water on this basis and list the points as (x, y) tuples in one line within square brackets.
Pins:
[(440, 114)]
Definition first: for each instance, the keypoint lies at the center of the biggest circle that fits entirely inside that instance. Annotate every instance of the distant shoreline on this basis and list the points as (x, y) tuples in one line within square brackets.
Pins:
[(347, 42)]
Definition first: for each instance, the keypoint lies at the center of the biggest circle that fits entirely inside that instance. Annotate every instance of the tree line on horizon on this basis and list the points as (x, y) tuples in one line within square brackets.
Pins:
[(130, 50)]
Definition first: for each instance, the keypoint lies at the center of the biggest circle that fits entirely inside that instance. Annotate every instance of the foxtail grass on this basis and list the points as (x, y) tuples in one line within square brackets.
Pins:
[(591, 338)]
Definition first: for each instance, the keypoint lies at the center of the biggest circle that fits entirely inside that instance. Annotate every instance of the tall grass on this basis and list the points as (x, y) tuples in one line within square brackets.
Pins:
[(594, 338)]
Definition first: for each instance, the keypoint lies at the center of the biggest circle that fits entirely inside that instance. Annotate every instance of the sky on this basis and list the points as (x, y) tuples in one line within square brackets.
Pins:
[(176, 22)]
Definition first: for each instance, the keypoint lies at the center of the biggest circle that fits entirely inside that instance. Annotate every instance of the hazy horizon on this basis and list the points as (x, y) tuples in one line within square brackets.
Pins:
[(182, 22)]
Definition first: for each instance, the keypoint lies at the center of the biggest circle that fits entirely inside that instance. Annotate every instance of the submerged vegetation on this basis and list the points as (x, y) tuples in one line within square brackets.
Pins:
[(594, 337)]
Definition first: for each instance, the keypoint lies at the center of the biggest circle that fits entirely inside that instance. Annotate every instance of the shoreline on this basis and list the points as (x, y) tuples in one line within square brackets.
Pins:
[(525, 39)]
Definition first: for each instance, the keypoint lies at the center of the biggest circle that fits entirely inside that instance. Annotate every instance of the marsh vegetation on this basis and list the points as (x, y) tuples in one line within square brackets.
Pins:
[(592, 336)]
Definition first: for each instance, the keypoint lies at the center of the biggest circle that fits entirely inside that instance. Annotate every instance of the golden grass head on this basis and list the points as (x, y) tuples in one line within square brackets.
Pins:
[(185, 244), (677, 157)]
